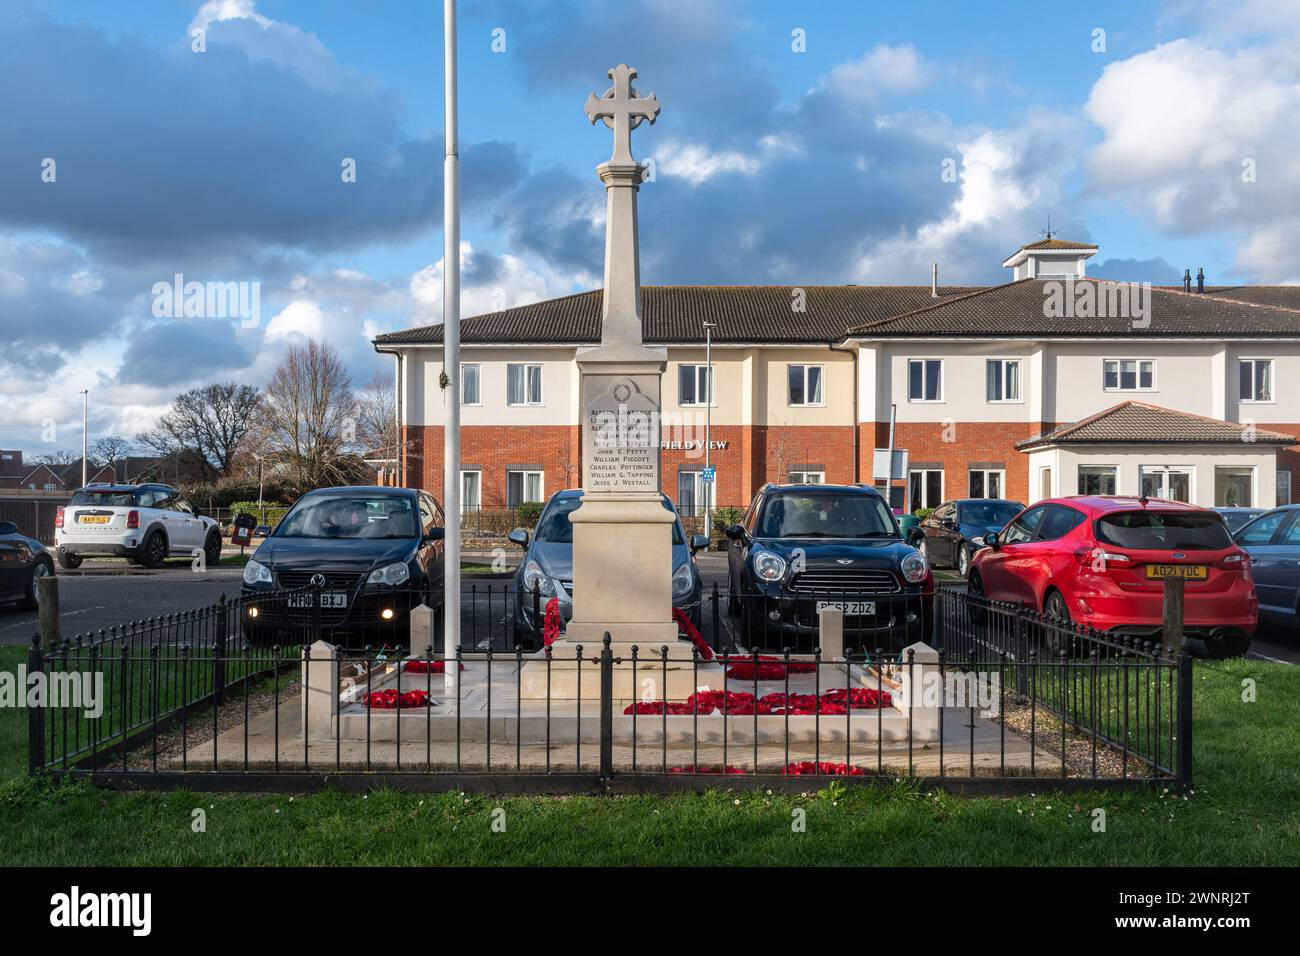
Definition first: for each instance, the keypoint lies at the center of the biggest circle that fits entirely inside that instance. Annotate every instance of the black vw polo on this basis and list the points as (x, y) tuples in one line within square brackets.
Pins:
[(801, 548), (372, 553)]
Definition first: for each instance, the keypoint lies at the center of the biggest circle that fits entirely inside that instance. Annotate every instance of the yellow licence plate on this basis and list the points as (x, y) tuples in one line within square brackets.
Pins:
[(1195, 572), (93, 519)]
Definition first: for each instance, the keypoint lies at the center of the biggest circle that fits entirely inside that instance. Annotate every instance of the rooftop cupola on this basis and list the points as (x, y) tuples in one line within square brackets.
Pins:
[(1050, 258)]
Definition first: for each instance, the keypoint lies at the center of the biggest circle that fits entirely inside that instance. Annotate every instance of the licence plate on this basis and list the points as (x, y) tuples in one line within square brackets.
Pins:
[(330, 599), (1194, 572), (93, 519), (859, 608)]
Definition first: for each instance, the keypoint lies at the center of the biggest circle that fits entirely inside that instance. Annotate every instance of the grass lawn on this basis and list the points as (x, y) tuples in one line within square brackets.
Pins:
[(1245, 810)]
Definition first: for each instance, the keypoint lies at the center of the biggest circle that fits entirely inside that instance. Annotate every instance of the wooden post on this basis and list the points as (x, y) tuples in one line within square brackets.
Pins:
[(48, 616), (1171, 634)]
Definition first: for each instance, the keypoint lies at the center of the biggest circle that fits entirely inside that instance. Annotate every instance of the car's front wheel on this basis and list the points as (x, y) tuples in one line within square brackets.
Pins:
[(69, 561), (212, 549), (963, 560), (32, 601)]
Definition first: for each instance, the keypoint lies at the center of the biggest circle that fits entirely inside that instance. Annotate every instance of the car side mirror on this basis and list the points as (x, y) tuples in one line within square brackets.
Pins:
[(435, 534), (519, 536), (8, 527), (992, 540), (735, 532), (947, 523), (699, 542), (915, 535)]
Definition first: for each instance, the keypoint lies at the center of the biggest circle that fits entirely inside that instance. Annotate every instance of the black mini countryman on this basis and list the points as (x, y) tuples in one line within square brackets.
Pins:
[(801, 548)]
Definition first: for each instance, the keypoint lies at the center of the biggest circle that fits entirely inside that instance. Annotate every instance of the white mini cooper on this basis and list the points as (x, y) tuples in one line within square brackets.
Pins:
[(144, 523)]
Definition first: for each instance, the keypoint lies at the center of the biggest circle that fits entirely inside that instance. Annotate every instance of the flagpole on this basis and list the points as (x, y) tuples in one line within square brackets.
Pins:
[(451, 355)]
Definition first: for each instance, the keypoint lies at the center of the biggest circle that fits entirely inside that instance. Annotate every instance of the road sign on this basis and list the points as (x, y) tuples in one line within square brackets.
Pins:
[(707, 474)]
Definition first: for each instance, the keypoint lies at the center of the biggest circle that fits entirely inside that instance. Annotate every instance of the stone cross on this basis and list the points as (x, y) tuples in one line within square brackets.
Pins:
[(622, 109)]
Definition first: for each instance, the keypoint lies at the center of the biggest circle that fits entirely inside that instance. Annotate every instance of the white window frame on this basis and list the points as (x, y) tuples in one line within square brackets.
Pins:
[(541, 394), (907, 383), (1254, 485), (1020, 380), (1119, 375), (541, 485), (701, 371), (805, 477), (943, 489), (1002, 481), (1189, 470), (704, 492), (1272, 380), (821, 379), (464, 509), (1114, 468), (478, 368), (1277, 487)]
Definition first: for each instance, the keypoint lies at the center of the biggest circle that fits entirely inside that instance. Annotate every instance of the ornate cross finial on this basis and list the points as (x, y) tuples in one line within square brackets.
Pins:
[(622, 109)]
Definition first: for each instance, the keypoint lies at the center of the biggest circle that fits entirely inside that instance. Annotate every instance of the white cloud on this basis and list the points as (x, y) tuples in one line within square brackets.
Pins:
[(882, 70), (511, 283)]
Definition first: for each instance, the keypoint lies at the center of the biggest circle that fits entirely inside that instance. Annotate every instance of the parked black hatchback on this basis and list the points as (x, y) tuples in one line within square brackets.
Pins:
[(372, 553), (956, 529), (801, 548)]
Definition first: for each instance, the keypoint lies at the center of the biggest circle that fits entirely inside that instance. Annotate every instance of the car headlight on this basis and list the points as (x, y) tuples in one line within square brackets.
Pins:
[(914, 568), (390, 574), (768, 566), (256, 573), (978, 540), (537, 579), (682, 581)]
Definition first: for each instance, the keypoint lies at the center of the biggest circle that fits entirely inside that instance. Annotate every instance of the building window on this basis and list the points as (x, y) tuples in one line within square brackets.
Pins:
[(523, 385), (1003, 380), (693, 492), (1044, 483), (806, 477), (523, 486), (1232, 486), (1284, 486), (1128, 375), (1256, 377), (925, 488), (986, 482), (1173, 484), (1098, 479), (469, 380), (471, 491), (924, 380), (805, 384), (693, 385)]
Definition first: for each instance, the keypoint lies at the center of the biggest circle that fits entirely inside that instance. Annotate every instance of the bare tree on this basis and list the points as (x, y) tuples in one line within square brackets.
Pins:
[(376, 417), (211, 420), (63, 457), (110, 449), (307, 415)]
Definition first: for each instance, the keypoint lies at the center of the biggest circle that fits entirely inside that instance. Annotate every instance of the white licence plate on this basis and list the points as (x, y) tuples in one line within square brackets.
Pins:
[(331, 599), (858, 608)]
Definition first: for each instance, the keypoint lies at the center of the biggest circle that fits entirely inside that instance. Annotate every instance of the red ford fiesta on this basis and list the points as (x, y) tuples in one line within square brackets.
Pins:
[(1102, 561)]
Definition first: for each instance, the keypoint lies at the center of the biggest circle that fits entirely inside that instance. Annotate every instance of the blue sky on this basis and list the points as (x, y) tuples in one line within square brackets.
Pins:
[(772, 165)]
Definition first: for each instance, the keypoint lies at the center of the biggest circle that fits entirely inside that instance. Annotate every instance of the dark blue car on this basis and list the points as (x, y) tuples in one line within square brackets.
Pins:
[(956, 529), (1273, 542)]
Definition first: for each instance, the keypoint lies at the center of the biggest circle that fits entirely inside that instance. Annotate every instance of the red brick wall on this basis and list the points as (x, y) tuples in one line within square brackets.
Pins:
[(491, 449), (958, 446)]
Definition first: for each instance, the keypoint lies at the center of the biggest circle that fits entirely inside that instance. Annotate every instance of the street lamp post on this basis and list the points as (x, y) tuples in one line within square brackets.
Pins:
[(261, 509), (708, 423), (85, 417)]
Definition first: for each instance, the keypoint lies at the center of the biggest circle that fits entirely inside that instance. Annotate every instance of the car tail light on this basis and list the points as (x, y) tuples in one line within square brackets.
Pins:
[(58, 518), (1099, 559), (1237, 561), (133, 519)]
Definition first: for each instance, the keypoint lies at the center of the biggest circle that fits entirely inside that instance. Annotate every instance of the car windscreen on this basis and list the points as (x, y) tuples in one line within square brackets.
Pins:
[(813, 514), (555, 527), (987, 513), (1237, 519), (104, 499), (351, 516), (1163, 531)]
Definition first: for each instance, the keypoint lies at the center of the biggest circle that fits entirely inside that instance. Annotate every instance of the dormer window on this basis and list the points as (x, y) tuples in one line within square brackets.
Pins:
[(1050, 258)]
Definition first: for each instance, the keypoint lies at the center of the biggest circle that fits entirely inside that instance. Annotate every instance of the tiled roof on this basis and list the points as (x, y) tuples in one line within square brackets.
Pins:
[(1018, 309), (1042, 244), (1142, 424), (675, 314), (1276, 296)]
